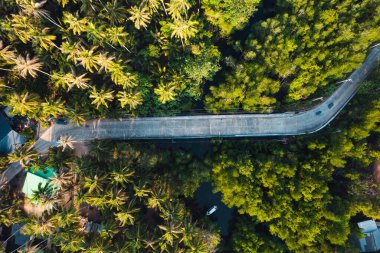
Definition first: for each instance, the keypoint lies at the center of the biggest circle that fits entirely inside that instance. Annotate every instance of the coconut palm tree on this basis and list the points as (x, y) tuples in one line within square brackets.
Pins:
[(140, 16), (126, 216), (183, 29), (197, 246), (24, 154), (188, 232), (114, 11), (134, 238), (104, 62), (69, 241), (177, 7), (23, 104), (156, 199), (81, 82), (29, 248), (23, 28), (25, 66), (121, 176), (140, 192), (94, 184), (150, 241), (171, 232), (117, 36), (115, 199), (66, 141), (76, 116), (69, 80), (34, 9), (53, 108), (131, 99), (45, 196), (87, 58), (45, 40), (165, 92), (39, 228), (61, 180), (77, 26), (6, 53), (101, 97), (152, 5)]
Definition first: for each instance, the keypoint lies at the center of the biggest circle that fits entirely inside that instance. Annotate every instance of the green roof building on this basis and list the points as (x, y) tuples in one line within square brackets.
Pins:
[(36, 178)]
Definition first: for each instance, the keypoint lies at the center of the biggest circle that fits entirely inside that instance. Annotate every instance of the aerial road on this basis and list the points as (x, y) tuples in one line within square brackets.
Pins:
[(209, 126)]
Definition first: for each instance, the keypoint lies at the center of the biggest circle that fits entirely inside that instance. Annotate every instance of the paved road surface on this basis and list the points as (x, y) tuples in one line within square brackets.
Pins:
[(210, 126)]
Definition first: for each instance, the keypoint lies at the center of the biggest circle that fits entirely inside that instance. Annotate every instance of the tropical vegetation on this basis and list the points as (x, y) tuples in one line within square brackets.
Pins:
[(73, 60)]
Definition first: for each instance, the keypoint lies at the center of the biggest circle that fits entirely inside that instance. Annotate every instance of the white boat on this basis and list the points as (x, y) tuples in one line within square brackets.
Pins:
[(212, 210)]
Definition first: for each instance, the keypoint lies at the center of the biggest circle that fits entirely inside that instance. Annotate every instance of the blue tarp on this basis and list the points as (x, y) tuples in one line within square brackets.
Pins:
[(9, 139), (4, 127)]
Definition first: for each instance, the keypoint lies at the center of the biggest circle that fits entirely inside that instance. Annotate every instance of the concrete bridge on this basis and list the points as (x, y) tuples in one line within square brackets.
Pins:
[(210, 126)]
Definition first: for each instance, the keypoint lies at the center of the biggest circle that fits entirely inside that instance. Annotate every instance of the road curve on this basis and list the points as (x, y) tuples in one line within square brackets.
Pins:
[(210, 126)]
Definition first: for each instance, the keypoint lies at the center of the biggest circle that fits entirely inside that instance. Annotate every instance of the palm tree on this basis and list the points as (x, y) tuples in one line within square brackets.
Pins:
[(165, 92), (45, 197), (81, 82), (53, 108), (76, 117), (104, 61), (45, 40), (115, 199), (25, 66), (150, 243), (121, 176), (95, 34), (134, 240), (126, 217), (101, 97), (140, 191), (156, 199), (171, 232), (183, 29), (69, 80), (188, 232), (87, 58), (198, 246), (6, 53), (131, 99), (177, 7), (76, 25), (39, 228), (29, 248), (69, 241), (24, 154), (23, 28), (24, 104), (31, 8), (61, 180), (152, 5), (66, 141), (34, 9), (140, 16), (117, 36), (114, 12), (94, 184)]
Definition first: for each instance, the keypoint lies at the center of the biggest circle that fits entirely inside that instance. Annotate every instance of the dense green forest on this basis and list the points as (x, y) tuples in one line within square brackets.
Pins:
[(82, 59), (305, 192), (127, 189), (87, 58), (300, 195)]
